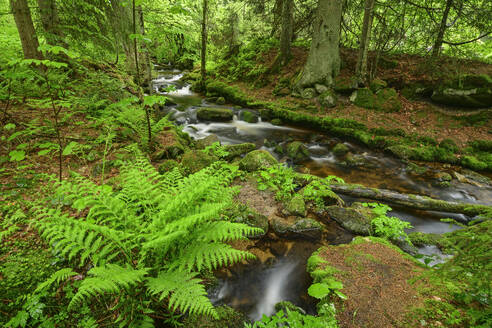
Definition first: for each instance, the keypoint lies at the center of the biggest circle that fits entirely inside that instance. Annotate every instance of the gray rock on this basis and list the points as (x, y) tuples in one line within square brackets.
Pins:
[(308, 93), (320, 88)]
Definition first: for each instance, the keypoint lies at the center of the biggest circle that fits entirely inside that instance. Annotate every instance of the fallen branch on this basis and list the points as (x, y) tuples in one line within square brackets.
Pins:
[(409, 200)]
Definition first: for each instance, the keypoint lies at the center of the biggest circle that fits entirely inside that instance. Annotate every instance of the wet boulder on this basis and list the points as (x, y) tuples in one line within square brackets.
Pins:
[(297, 151), (328, 99), (214, 114), (471, 91), (239, 150), (207, 141), (277, 121), (340, 149), (356, 219), (300, 228), (195, 160), (253, 219), (256, 160), (221, 101), (248, 116)]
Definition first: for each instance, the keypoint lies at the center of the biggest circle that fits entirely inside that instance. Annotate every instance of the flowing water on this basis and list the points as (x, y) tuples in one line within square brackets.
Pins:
[(257, 288)]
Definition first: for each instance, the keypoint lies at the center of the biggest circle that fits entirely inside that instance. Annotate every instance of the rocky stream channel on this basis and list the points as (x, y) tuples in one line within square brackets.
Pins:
[(255, 289)]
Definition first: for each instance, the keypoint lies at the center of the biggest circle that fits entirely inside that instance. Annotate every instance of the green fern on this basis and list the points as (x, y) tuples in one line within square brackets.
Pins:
[(152, 235)]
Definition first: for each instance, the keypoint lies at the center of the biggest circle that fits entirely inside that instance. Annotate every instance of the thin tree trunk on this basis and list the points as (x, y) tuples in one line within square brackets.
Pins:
[(436, 50), (50, 21), (323, 62), (146, 53), (25, 26), (287, 30), (365, 39), (135, 48), (203, 68), (120, 18)]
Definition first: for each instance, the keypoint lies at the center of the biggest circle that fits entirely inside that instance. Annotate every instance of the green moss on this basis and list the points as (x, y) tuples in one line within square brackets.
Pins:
[(344, 85), (473, 163), (482, 145), (424, 239), (227, 318), (195, 160), (238, 149), (214, 114), (340, 149), (231, 94), (167, 166), (248, 116), (377, 84), (296, 206), (297, 151), (257, 159)]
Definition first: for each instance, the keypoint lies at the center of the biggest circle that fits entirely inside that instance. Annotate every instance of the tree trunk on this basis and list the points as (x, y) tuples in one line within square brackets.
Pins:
[(203, 69), (365, 39), (323, 62), (407, 200), (135, 47), (25, 26), (50, 21), (145, 53), (287, 30), (120, 19), (234, 33), (436, 50)]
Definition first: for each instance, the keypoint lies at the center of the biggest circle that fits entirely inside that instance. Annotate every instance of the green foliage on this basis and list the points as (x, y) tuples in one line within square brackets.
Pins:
[(152, 236), (325, 319), (217, 150), (278, 178), (318, 190), (391, 228)]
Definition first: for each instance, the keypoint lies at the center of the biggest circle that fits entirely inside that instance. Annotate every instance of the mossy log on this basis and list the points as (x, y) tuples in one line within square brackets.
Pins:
[(409, 200)]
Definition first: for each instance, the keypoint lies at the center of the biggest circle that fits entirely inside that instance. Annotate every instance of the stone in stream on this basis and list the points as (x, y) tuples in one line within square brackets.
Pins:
[(248, 116), (340, 149), (239, 149), (221, 101), (214, 114), (356, 219), (297, 151), (256, 160), (253, 219), (276, 121), (301, 228), (296, 206)]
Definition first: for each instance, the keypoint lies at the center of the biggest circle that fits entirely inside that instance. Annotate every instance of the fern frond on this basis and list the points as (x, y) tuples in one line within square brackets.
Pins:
[(57, 278), (111, 279), (204, 255), (184, 291), (221, 231)]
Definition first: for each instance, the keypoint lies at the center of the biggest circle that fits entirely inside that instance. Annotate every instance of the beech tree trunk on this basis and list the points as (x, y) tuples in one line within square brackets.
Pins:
[(323, 62), (203, 69), (436, 50), (50, 21), (120, 18), (287, 31), (407, 200), (365, 39), (25, 27)]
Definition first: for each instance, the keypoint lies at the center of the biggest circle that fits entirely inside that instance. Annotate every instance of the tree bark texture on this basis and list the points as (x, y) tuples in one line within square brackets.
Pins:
[(287, 31), (50, 21), (365, 39), (25, 27), (323, 62), (436, 50), (203, 69)]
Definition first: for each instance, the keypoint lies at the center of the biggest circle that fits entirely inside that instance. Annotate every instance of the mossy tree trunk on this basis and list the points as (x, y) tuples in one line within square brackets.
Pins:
[(120, 17), (323, 62), (365, 39), (25, 27)]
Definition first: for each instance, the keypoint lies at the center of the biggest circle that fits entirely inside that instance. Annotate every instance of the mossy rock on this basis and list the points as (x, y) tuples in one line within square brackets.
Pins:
[(296, 206), (246, 215), (473, 163), (328, 99), (340, 149), (312, 189), (230, 93), (256, 160), (417, 90), (196, 160), (377, 85), (470, 91), (167, 166), (248, 116), (169, 145), (207, 141), (356, 219), (345, 85), (221, 101), (449, 144), (214, 114), (308, 93), (416, 169), (276, 121), (385, 100), (239, 149), (303, 228), (297, 151), (227, 318)]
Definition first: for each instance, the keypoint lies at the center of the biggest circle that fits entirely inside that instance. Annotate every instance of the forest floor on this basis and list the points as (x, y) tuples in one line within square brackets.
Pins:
[(417, 116)]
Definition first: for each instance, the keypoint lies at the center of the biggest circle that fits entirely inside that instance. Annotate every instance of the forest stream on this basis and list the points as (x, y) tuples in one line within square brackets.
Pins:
[(256, 288)]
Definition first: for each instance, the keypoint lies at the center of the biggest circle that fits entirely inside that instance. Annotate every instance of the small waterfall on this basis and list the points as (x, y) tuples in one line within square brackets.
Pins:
[(275, 288)]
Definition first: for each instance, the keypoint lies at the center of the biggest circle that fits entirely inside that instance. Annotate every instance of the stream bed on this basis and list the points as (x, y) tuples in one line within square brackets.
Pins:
[(256, 288)]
